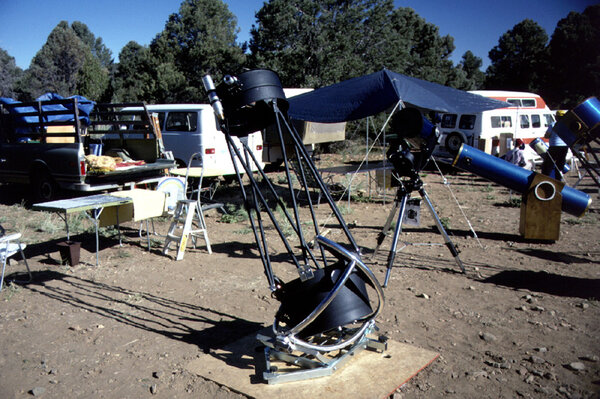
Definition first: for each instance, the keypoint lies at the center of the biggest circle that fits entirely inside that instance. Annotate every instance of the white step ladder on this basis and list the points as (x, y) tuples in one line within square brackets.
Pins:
[(189, 219)]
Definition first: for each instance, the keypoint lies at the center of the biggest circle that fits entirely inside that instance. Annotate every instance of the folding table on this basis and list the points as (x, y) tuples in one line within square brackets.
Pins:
[(94, 203)]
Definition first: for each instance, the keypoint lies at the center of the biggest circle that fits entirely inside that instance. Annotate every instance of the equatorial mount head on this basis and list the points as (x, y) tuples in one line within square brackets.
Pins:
[(412, 142)]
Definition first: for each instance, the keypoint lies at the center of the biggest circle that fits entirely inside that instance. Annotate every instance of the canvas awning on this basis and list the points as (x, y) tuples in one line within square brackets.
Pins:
[(368, 95)]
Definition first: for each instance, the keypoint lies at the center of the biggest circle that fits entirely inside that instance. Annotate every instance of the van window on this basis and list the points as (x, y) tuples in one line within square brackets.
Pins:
[(467, 122), (449, 121), (535, 121), (524, 121), (501, 121), (522, 102), (549, 119), (528, 102), (182, 121)]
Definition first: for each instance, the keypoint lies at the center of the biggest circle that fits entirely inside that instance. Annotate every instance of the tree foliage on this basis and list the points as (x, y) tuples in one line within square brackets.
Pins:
[(9, 74), (309, 43), (93, 79), (471, 66), (95, 44), (199, 39), (574, 59), (65, 65), (519, 59), (135, 78), (54, 68), (320, 42), (428, 54)]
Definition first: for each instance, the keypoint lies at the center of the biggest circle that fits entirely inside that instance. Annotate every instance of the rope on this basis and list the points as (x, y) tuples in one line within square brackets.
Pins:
[(447, 184), (363, 160)]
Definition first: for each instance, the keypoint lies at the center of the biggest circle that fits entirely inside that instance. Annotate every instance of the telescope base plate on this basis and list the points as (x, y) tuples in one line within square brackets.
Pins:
[(282, 366), (239, 366)]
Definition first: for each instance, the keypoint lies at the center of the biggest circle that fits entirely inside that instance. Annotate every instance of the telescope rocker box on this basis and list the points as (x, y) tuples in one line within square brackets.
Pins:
[(541, 209)]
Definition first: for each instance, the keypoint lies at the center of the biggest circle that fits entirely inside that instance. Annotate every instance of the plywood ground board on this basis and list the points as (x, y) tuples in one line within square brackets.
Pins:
[(368, 375)]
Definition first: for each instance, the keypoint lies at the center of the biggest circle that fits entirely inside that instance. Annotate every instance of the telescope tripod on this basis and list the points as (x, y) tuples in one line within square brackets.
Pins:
[(402, 197)]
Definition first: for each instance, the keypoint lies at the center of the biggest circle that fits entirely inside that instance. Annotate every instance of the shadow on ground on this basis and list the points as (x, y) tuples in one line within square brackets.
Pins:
[(189, 323), (548, 283)]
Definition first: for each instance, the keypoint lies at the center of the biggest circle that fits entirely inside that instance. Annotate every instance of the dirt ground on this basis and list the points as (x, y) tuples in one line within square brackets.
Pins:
[(523, 321)]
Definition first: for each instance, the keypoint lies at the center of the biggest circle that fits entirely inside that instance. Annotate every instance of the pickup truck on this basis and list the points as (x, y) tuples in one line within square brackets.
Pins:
[(55, 146)]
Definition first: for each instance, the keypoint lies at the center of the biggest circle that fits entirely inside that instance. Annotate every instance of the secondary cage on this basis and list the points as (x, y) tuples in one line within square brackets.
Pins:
[(579, 128), (326, 313)]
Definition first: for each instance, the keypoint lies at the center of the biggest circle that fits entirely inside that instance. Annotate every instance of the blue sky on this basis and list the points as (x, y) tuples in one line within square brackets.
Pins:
[(476, 25)]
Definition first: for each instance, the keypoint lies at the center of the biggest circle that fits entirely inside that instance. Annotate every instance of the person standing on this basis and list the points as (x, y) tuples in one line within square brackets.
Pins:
[(555, 157)]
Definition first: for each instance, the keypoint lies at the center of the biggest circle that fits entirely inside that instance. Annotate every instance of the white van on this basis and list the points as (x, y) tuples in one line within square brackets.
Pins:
[(190, 128), (495, 131)]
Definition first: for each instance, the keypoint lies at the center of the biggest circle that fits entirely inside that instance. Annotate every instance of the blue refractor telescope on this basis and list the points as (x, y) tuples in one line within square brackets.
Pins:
[(543, 197), (513, 177), (578, 127)]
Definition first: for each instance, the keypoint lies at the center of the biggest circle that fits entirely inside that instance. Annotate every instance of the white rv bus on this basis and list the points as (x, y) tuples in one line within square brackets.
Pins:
[(495, 131), (190, 128)]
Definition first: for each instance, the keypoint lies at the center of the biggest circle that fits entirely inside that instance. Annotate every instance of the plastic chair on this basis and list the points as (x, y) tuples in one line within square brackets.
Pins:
[(9, 246)]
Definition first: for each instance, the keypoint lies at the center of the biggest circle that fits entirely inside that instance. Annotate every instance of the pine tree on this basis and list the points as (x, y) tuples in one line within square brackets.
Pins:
[(199, 39), (9, 74), (574, 62), (319, 42), (55, 66), (519, 59)]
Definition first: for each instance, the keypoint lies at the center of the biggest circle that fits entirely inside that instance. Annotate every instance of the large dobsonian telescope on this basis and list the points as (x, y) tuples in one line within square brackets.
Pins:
[(326, 314)]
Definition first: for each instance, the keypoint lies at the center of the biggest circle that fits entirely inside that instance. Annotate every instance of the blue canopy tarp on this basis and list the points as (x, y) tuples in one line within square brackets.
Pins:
[(370, 94)]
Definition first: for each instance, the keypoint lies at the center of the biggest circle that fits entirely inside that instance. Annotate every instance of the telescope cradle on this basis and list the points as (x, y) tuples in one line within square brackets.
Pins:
[(403, 193), (591, 169)]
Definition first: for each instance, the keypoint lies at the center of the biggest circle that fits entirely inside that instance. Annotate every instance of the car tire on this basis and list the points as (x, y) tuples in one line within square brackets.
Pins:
[(454, 141), (44, 187)]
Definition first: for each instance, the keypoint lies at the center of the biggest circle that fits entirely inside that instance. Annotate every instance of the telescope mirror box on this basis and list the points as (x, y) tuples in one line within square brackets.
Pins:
[(580, 125)]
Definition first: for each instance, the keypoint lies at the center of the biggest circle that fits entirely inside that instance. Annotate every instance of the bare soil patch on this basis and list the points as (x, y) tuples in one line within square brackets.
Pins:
[(522, 322)]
